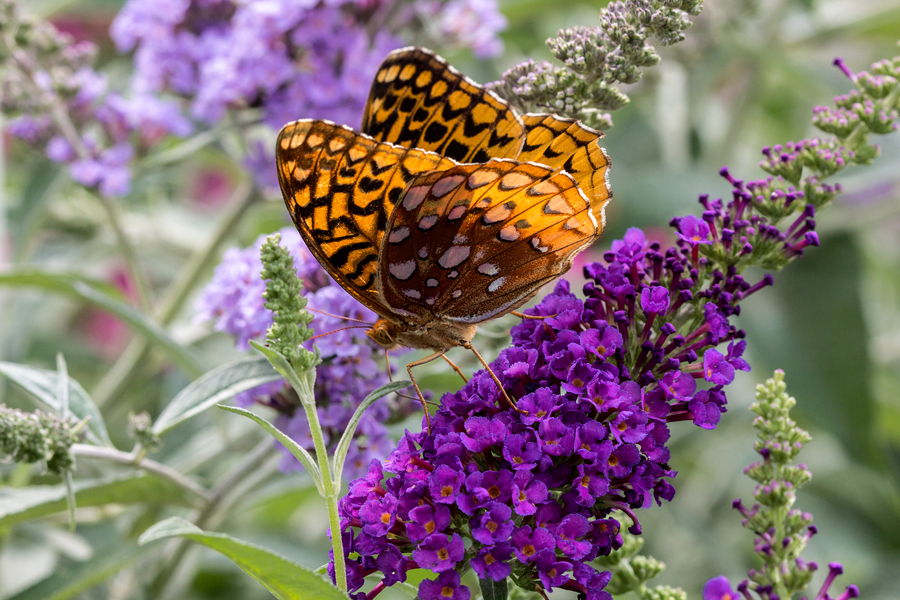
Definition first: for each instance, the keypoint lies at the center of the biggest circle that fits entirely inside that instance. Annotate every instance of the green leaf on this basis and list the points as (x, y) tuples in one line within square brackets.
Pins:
[(25, 504), (106, 297), (284, 578), (340, 452), (278, 360), (214, 387), (293, 447), (44, 385), (70, 580), (493, 590)]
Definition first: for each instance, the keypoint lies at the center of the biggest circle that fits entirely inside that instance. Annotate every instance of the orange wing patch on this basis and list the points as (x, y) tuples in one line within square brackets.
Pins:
[(340, 188)]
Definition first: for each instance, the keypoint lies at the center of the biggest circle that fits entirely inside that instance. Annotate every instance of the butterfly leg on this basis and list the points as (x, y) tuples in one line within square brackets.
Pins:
[(469, 346), (455, 368), (409, 367), (535, 317)]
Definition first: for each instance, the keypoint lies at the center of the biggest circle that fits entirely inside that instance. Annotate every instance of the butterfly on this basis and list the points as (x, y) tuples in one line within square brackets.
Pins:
[(448, 208)]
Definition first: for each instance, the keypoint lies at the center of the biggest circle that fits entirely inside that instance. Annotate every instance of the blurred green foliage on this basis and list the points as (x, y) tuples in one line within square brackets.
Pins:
[(748, 75)]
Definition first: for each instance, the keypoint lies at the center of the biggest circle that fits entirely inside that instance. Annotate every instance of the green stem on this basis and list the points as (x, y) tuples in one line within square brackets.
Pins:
[(158, 469), (115, 380), (303, 384)]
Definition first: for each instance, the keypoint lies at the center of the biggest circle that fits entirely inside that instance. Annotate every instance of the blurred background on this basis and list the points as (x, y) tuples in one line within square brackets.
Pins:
[(747, 76)]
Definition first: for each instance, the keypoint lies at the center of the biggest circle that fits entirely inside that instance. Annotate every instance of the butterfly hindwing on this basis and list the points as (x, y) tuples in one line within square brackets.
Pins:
[(475, 241), (568, 144), (340, 188), (417, 100)]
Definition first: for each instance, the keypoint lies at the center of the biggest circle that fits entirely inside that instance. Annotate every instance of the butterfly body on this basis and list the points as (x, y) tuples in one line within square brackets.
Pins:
[(448, 209)]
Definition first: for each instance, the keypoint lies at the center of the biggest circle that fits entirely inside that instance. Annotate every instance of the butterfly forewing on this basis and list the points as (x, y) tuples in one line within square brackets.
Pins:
[(419, 101), (340, 188), (475, 241), (567, 144)]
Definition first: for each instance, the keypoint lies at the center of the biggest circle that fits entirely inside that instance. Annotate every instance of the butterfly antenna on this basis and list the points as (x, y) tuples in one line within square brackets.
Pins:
[(341, 329), (328, 314), (506, 397)]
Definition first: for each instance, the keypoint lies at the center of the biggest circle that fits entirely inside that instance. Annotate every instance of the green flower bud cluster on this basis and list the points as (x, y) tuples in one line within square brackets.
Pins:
[(284, 297), (140, 429), (782, 532), (595, 59), (37, 437)]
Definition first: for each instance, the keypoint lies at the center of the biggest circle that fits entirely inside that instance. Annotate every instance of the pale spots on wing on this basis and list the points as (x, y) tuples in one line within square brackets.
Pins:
[(423, 252), (453, 274), (301, 175), (543, 188), (398, 234), (509, 233), (432, 282), (457, 212), (514, 180), (538, 245), (454, 256), (414, 197), (456, 294), (499, 213), (557, 205), (297, 140), (337, 144), (426, 223), (460, 240), (481, 178), (580, 226), (495, 284), (314, 140), (446, 185), (414, 294), (489, 269), (403, 270), (356, 153)]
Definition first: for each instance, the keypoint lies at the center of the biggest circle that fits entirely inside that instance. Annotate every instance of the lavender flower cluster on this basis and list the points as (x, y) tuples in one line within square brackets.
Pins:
[(64, 107), (291, 59), (352, 366)]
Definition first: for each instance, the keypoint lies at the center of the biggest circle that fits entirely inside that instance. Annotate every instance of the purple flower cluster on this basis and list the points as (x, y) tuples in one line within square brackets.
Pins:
[(65, 108), (352, 366), (291, 59), (527, 492)]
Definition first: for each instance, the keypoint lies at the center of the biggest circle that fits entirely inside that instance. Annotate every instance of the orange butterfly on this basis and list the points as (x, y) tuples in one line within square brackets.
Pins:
[(449, 209)]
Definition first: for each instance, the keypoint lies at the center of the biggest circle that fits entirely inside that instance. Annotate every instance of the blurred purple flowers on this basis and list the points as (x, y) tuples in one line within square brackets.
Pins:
[(291, 59), (352, 366)]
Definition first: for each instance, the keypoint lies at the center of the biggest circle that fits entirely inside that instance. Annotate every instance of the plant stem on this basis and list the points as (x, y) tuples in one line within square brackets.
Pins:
[(151, 466), (178, 292), (303, 384)]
